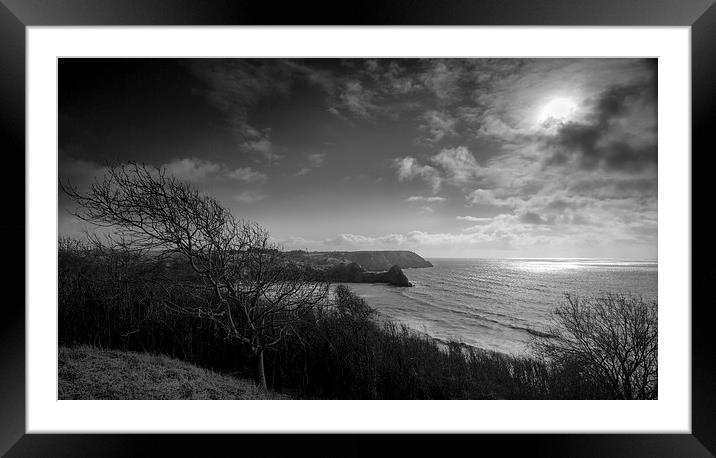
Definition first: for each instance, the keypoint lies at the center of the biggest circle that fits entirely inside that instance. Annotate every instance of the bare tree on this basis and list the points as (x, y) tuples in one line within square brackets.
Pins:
[(611, 339), (238, 278)]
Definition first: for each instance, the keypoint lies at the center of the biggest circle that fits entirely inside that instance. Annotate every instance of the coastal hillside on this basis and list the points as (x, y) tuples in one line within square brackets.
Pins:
[(90, 373), (333, 266), (352, 272), (371, 261)]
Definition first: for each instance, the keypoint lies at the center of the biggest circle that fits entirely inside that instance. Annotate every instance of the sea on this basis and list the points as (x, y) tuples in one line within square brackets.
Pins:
[(501, 304)]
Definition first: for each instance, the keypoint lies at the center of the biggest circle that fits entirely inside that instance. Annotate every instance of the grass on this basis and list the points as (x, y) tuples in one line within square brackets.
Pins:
[(90, 373)]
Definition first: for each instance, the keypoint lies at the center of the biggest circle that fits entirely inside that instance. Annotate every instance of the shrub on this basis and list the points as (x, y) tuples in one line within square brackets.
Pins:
[(608, 342)]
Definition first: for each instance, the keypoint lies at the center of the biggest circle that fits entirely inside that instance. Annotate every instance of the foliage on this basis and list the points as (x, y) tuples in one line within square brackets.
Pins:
[(608, 341)]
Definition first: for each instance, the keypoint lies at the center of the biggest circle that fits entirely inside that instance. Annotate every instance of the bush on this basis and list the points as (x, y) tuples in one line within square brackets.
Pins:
[(608, 343)]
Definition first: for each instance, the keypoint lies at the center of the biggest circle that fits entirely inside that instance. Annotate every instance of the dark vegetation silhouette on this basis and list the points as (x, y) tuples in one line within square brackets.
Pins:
[(611, 340), (180, 276), (238, 279)]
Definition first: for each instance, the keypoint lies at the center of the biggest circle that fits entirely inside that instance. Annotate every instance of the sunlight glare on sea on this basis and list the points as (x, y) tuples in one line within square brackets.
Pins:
[(546, 266)]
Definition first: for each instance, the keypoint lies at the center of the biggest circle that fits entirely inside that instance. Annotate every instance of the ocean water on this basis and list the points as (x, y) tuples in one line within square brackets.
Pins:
[(500, 304)]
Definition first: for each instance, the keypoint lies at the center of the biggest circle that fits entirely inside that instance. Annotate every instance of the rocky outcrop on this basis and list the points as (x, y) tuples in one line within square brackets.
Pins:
[(393, 276), (359, 266), (352, 272)]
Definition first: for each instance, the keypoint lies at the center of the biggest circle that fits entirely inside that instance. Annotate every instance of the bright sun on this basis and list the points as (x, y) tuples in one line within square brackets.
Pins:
[(557, 110)]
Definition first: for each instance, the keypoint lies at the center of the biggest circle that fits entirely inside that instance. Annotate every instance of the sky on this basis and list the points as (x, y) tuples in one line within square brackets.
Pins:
[(493, 158)]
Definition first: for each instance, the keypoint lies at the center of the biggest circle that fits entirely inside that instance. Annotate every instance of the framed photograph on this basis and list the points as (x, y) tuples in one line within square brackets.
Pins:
[(415, 220)]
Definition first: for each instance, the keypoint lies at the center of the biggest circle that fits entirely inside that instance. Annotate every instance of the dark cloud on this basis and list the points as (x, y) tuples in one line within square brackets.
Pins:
[(560, 204), (615, 187), (601, 141), (532, 218), (620, 155), (617, 100)]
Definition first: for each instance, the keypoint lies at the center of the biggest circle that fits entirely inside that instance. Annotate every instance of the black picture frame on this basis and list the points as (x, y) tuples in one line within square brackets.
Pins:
[(700, 15)]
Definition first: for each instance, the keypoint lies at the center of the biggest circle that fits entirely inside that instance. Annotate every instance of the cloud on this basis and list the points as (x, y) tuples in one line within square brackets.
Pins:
[(297, 243), (257, 142), (432, 199), (398, 80), (351, 88), (489, 197), (319, 77), (532, 218), (458, 164), (247, 174), (357, 99), (196, 170), (390, 78), (523, 232), (249, 197), (408, 169), (493, 124), (438, 125), (78, 172), (443, 78), (235, 86), (315, 161), (474, 219), (234, 82), (618, 134), (366, 89), (503, 99), (261, 144), (605, 186), (335, 112), (416, 240), (362, 240), (191, 169)]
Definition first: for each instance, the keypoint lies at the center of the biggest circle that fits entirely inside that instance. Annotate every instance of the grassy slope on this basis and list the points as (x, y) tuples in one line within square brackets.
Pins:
[(90, 373)]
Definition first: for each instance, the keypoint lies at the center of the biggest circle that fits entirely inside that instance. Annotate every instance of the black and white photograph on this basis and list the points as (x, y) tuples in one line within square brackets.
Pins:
[(357, 228)]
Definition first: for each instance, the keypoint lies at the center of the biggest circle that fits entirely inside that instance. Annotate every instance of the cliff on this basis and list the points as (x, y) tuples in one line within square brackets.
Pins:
[(337, 266), (382, 260), (372, 261)]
